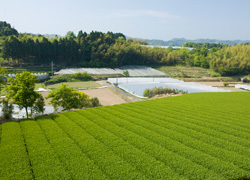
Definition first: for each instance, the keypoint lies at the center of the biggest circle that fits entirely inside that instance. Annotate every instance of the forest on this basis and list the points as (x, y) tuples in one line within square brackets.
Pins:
[(98, 49)]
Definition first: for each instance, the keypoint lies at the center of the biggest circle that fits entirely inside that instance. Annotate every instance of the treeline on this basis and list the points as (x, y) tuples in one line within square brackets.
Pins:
[(85, 49), (204, 45), (6, 29), (113, 50), (231, 60), (181, 41), (98, 49)]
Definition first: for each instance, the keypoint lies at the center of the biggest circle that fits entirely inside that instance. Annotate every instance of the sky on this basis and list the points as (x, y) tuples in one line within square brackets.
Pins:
[(147, 19)]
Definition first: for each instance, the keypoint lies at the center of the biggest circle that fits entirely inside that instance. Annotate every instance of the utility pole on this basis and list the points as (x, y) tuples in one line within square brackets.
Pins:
[(52, 67)]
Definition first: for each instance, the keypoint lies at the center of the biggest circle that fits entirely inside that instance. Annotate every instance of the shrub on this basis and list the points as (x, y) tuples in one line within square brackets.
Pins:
[(7, 110), (215, 74), (147, 93), (94, 102), (82, 76), (126, 73), (68, 98), (69, 78), (225, 84), (161, 90)]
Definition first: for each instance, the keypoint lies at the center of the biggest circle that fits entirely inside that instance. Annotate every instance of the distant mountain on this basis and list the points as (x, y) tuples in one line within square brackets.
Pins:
[(47, 35), (181, 41)]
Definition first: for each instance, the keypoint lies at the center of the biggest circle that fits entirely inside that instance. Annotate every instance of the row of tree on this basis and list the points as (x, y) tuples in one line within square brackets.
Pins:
[(204, 45), (69, 50), (98, 49), (231, 60), (21, 91)]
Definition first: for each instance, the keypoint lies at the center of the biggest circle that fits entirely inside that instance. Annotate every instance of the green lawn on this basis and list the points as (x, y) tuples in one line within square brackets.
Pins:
[(77, 85), (194, 136)]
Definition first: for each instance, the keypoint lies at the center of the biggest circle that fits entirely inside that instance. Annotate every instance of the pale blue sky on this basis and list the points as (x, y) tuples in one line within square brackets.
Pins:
[(151, 19)]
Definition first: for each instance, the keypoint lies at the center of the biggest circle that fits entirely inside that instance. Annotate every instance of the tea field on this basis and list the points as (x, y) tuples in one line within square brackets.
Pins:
[(194, 136)]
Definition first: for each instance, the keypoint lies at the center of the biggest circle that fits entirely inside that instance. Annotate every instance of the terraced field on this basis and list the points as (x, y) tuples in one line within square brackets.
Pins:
[(194, 136)]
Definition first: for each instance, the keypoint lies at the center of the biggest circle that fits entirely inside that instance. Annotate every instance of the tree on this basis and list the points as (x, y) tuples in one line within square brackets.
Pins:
[(2, 79), (68, 98), (70, 34), (22, 91), (7, 109), (6, 29)]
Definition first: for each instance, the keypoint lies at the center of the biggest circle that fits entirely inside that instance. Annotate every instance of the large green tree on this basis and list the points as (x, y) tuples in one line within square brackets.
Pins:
[(2, 79), (68, 98), (22, 91)]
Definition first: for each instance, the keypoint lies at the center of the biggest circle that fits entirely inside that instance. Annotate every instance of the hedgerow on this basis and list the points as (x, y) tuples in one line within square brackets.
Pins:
[(14, 160), (110, 163), (73, 158), (179, 148), (144, 162), (43, 159)]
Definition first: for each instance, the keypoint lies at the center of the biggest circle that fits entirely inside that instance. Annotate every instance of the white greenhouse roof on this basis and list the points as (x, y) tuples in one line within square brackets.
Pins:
[(137, 86), (18, 114), (134, 71)]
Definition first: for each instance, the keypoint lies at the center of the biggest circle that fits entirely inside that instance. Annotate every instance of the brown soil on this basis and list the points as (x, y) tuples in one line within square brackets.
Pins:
[(105, 96)]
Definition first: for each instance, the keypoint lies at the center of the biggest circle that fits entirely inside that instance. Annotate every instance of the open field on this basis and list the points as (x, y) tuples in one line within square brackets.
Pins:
[(193, 74), (76, 85), (105, 96), (194, 136)]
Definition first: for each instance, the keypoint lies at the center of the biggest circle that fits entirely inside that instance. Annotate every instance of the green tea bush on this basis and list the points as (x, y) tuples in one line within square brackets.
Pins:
[(197, 136)]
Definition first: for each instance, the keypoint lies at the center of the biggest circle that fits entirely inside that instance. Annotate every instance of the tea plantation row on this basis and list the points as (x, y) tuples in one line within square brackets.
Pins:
[(194, 136)]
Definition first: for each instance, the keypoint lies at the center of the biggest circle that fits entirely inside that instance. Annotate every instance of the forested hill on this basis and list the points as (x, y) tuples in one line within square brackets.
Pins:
[(98, 49), (181, 41), (6, 29)]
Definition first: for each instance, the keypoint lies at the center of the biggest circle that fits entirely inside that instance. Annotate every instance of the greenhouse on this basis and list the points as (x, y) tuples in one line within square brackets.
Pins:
[(133, 71), (39, 75), (137, 86), (241, 86), (18, 114)]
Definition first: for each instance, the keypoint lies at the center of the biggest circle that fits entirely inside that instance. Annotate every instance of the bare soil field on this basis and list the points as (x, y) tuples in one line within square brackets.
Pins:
[(105, 96)]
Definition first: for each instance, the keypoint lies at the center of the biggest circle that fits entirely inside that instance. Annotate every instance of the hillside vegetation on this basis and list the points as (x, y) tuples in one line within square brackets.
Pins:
[(98, 49), (194, 136)]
